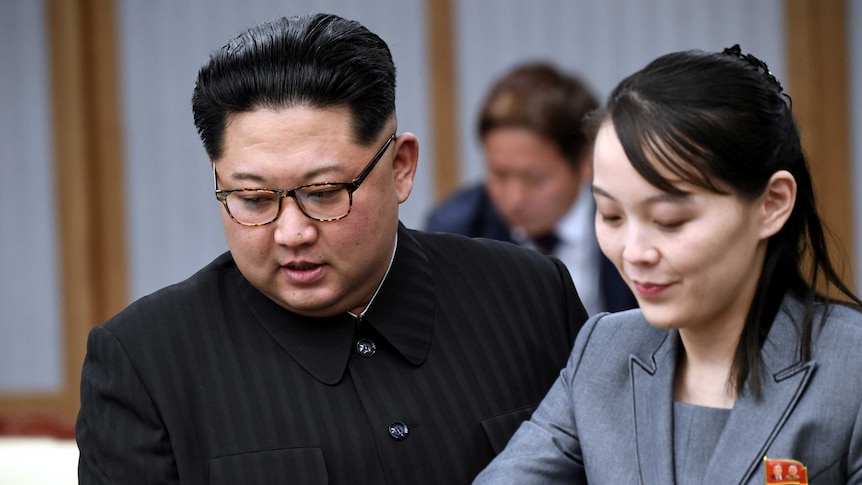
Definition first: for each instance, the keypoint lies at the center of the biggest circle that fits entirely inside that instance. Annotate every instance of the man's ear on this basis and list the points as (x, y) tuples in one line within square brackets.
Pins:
[(777, 202), (585, 167), (405, 163)]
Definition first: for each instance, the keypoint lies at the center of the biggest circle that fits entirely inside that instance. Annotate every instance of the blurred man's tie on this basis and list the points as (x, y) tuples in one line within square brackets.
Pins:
[(546, 243)]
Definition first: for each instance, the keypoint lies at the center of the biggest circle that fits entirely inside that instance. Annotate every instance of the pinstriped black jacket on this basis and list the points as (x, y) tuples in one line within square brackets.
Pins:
[(210, 382)]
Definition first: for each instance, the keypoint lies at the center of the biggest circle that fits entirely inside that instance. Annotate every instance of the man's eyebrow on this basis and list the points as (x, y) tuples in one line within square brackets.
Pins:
[(307, 177)]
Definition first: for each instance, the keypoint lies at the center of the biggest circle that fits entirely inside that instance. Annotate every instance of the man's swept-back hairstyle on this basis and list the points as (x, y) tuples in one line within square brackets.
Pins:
[(541, 98), (722, 121), (317, 60)]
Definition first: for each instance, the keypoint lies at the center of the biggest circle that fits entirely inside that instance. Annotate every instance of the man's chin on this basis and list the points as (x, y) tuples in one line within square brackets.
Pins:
[(309, 304)]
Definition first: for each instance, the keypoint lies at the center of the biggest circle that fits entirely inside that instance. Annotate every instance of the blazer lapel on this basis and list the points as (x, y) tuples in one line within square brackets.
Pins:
[(756, 423), (652, 390)]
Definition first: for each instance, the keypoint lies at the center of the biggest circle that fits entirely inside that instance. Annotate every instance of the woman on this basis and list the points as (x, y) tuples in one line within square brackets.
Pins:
[(706, 207)]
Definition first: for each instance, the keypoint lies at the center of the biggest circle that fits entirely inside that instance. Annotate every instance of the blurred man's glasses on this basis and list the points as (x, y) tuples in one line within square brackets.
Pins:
[(325, 202)]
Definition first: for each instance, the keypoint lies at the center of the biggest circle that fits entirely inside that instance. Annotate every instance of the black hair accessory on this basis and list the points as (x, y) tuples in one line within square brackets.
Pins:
[(757, 63)]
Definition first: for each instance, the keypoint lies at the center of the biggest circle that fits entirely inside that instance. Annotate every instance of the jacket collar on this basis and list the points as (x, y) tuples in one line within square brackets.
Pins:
[(652, 375), (402, 313), (759, 422), (750, 421)]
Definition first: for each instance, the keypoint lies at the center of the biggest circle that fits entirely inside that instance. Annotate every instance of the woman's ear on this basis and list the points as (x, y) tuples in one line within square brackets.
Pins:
[(405, 163), (777, 202)]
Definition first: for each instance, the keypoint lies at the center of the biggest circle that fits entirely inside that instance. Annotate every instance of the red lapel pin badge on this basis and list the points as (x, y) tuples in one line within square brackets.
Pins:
[(785, 471)]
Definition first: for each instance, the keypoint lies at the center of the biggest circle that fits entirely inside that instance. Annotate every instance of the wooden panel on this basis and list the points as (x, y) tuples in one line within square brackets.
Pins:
[(90, 206), (443, 101), (818, 83), (106, 151), (37, 426)]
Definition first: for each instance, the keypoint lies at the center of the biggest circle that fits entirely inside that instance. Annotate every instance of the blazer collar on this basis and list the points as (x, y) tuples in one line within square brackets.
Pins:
[(402, 313), (750, 421), (652, 389), (759, 422)]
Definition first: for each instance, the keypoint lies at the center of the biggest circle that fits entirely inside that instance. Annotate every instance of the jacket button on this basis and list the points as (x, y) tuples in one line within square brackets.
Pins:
[(398, 430), (366, 348)]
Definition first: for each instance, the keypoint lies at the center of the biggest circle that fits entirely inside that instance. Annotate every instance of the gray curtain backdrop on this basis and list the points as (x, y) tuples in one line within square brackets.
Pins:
[(30, 338)]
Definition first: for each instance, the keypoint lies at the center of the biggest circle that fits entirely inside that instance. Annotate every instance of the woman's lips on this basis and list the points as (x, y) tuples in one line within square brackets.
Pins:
[(650, 290)]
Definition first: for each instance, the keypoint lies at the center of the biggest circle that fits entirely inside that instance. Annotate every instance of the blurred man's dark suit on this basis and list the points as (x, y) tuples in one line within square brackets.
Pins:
[(471, 213)]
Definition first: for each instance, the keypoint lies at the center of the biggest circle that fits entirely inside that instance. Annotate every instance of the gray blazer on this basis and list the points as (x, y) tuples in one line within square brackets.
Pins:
[(608, 418)]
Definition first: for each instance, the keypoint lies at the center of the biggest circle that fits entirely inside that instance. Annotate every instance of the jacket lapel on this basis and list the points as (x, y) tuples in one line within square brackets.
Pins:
[(652, 390), (756, 423)]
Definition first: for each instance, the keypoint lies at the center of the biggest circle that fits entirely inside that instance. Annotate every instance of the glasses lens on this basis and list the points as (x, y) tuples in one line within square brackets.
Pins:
[(324, 201), (253, 206)]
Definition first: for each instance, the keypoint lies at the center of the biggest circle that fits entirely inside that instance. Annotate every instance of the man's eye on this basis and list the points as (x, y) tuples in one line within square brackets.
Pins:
[(324, 194), (256, 200)]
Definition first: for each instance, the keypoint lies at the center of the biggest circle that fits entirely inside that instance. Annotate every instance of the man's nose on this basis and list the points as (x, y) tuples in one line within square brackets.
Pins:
[(293, 227)]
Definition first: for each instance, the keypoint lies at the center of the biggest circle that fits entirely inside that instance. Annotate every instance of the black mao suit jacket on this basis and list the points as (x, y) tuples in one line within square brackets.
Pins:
[(210, 382)]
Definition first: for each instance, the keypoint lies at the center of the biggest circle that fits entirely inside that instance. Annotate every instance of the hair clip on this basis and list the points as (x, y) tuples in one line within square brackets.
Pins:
[(757, 63)]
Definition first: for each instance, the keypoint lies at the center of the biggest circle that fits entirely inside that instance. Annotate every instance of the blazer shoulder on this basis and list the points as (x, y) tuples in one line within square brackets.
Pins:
[(842, 329), (609, 343), (175, 303), (457, 213), (469, 212), (846, 318), (443, 249), (626, 332)]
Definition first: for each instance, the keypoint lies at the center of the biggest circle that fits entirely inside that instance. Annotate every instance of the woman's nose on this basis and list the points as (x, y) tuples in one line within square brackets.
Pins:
[(639, 247)]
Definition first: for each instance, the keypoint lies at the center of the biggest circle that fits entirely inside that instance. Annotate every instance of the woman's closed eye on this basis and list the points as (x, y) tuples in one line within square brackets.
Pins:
[(610, 219), (669, 225)]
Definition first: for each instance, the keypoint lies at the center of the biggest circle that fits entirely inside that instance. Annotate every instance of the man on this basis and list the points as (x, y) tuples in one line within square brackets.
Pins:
[(330, 344), (777, 472), (792, 472), (537, 185)]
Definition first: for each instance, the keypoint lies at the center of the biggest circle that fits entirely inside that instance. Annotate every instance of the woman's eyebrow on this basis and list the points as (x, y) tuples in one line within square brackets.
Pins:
[(654, 199)]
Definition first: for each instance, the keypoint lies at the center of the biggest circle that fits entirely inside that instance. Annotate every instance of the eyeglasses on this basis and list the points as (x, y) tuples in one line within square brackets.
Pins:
[(325, 202)]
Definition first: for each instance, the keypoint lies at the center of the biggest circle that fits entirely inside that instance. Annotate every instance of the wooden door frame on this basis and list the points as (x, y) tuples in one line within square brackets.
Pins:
[(817, 50), (90, 203)]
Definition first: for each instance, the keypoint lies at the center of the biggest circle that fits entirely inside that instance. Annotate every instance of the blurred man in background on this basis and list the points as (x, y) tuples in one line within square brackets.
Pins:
[(536, 191)]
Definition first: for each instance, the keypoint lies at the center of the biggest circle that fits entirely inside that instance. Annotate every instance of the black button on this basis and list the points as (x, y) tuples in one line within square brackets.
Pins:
[(366, 348), (398, 430)]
